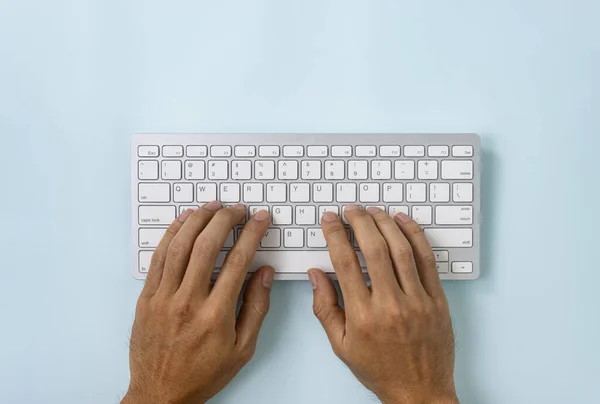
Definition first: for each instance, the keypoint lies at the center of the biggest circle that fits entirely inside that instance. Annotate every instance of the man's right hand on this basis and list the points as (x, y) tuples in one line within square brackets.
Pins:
[(395, 335)]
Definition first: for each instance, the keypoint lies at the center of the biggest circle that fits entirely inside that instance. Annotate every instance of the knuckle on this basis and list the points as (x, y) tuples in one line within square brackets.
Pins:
[(429, 260), (171, 231), (403, 255), (377, 251), (344, 260), (176, 250), (322, 313), (205, 246), (158, 258), (182, 310), (247, 353), (237, 259), (413, 228)]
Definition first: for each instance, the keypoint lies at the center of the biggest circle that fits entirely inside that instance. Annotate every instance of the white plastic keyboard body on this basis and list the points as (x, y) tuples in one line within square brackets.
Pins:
[(435, 178)]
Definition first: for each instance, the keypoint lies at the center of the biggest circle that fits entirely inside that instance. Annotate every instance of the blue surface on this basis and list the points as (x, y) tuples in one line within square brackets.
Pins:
[(77, 78)]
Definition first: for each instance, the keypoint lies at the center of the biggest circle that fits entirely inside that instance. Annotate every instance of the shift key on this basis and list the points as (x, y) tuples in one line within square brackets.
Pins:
[(149, 238), (449, 238)]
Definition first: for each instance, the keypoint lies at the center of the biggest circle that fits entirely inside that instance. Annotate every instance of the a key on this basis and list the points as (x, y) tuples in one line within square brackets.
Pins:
[(414, 151), (245, 151), (299, 192), (229, 192), (171, 170), (441, 255), (457, 169), (311, 169), (315, 238), (148, 169), (365, 151), (449, 238), (217, 169), (228, 241), (271, 239), (462, 267), (264, 170), (268, 151), (148, 151), (293, 238), (276, 192), (194, 170), (437, 151), (334, 169), (389, 151), (282, 215), (305, 214), (183, 208), (462, 192), (293, 151), (369, 192), (317, 151), (196, 151), (172, 151), (439, 192), (156, 192), (422, 214), (427, 169), (323, 192), (442, 267), (392, 192), (158, 215), (183, 192), (357, 169), (416, 192), (220, 151), (241, 169), (404, 169), (288, 170), (149, 238), (253, 192), (346, 192), (381, 169), (462, 151), (253, 210), (341, 151), (144, 259), (206, 191), (328, 208), (393, 210), (453, 215)]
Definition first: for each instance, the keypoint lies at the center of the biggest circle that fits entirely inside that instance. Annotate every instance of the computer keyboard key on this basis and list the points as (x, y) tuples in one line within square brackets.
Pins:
[(389, 151), (305, 214), (442, 267), (395, 209), (183, 192), (293, 151), (422, 214), (218, 169), (311, 169), (462, 267), (449, 238), (457, 169), (327, 208), (229, 192), (276, 192), (149, 238), (220, 151), (253, 192), (293, 238), (381, 169), (346, 192), (264, 170), (322, 192), (172, 151), (287, 170), (268, 151), (416, 192), (271, 239), (462, 151), (317, 151), (392, 192), (157, 215), (154, 192), (253, 210), (441, 255), (357, 169), (206, 192), (245, 151), (462, 192), (427, 170), (369, 192), (454, 215), (414, 151), (341, 151), (315, 238), (437, 151), (183, 208), (439, 192), (241, 170), (147, 170), (194, 170), (334, 169), (282, 215), (144, 259), (404, 169), (299, 192), (148, 151), (196, 151), (365, 151), (229, 240), (171, 170)]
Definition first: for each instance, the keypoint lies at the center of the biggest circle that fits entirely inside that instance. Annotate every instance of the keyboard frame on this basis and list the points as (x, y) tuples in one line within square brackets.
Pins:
[(471, 254)]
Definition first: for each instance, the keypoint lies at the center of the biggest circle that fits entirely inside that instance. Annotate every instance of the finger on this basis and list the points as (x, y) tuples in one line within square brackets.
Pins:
[(400, 251), (235, 267), (208, 244), (423, 254), (374, 249), (345, 262), (326, 308), (157, 263), (180, 247), (254, 308)]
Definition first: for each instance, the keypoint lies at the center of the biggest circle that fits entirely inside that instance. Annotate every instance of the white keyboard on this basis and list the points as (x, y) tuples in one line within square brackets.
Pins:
[(297, 177)]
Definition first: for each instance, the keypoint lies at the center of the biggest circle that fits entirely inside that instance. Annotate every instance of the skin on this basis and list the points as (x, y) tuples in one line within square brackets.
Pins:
[(395, 335)]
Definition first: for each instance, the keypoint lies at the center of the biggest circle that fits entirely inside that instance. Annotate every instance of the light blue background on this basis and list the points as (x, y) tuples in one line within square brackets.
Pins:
[(77, 78)]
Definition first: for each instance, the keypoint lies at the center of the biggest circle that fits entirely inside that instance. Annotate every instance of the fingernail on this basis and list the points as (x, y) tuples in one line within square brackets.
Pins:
[(186, 213), (313, 279), (239, 206), (373, 210), (212, 206), (261, 215), (266, 278), (351, 207), (329, 217), (403, 217)]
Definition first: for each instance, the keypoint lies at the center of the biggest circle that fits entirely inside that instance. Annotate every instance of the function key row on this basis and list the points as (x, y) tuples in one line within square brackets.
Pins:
[(301, 151)]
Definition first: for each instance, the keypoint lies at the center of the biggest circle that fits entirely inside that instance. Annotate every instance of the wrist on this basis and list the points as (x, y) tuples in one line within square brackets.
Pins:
[(432, 398)]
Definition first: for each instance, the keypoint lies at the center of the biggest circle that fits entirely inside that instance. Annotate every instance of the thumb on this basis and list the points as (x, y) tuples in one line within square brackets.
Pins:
[(326, 308)]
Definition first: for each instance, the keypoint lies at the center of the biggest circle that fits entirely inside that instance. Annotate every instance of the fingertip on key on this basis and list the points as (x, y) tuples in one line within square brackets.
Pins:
[(261, 215), (329, 217)]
